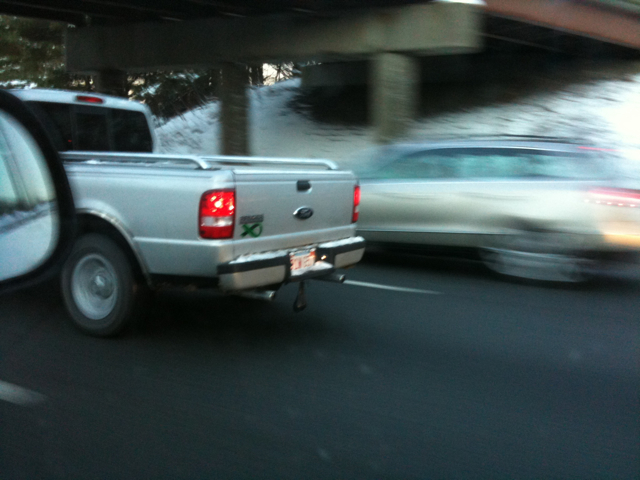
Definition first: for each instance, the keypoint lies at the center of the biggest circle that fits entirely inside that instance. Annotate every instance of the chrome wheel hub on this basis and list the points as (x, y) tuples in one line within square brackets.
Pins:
[(102, 285), (94, 286)]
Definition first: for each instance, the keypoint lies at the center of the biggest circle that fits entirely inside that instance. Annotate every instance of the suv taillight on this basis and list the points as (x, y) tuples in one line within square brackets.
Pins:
[(616, 197), (217, 214), (356, 204)]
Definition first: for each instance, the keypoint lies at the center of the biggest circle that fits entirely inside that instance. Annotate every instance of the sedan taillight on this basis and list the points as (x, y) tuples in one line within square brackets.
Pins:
[(616, 197)]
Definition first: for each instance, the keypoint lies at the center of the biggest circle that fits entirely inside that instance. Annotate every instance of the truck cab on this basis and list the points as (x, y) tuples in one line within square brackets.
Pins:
[(78, 121)]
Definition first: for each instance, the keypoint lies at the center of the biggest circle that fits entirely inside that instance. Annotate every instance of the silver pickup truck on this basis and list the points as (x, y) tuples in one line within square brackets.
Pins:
[(244, 225)]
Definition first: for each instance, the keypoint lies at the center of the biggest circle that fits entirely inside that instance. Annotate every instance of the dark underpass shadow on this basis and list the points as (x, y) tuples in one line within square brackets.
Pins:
[(481, 80)]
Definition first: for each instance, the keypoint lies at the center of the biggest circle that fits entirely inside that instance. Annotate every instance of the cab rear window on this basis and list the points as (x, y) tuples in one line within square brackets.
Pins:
[(130, 131), (57, 121), (88, 128), (92, 130)]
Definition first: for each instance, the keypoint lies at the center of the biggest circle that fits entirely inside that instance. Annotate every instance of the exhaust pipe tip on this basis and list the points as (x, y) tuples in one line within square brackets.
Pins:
[(264, 295), (333, 277)]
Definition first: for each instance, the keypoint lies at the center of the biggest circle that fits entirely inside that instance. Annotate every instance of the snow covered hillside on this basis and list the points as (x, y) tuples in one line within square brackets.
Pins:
[(604, 111), (276, 130)]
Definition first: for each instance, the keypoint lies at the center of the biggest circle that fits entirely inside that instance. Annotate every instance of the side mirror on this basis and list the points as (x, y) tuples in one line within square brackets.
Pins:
[(37, 215)]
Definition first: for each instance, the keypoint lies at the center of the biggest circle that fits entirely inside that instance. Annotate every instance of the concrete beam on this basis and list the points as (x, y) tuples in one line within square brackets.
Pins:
[(422, 29), (589, 19)]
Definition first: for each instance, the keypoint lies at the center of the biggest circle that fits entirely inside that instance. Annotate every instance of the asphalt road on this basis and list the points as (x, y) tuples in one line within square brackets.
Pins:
[(464, 376)]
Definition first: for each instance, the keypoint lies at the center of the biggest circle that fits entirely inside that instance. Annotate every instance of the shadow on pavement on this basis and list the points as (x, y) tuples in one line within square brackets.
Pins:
[(230, 319), (465, 264)]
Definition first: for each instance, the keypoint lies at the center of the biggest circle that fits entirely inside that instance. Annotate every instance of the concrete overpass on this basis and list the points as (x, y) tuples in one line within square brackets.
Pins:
[(517, 28), (389, 38), (612, 21), (113, 37)]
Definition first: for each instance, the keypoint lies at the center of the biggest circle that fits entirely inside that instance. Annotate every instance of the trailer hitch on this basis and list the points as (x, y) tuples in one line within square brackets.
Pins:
[(300, 302)]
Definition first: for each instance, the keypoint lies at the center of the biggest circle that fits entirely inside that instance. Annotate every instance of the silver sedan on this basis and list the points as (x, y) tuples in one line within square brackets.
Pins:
[(534, 208)]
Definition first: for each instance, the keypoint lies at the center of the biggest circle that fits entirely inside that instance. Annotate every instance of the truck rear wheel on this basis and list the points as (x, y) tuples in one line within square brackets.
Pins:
[(99, 287)]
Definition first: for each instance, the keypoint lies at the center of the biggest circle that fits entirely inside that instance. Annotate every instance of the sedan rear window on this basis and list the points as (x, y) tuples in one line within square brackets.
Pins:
[(495, 163)]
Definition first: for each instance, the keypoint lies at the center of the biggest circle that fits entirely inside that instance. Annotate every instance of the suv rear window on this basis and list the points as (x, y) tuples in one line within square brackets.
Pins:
[(89, 128)]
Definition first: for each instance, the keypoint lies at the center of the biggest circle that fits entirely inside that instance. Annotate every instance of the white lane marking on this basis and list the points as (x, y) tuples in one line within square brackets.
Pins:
[(20, 396), (391, 287)]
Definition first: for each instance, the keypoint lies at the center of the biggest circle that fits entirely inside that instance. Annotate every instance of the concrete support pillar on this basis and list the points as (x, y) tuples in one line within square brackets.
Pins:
[(234, 109), (112, 82), (394, 94)]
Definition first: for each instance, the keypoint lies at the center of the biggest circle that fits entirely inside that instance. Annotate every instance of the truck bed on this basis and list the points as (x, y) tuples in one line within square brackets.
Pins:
[(154, 200)]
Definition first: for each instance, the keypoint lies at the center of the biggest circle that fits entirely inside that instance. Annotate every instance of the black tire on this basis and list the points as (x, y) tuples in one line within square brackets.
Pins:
[(99, 287)]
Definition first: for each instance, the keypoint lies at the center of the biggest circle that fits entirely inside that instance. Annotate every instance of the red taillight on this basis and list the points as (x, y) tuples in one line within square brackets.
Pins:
[(616, 197), (598, 149), (89, 99), (356, 204), (217, 214)]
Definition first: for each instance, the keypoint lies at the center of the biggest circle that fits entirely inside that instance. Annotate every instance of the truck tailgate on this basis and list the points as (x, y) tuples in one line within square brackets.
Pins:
[(283, 209)]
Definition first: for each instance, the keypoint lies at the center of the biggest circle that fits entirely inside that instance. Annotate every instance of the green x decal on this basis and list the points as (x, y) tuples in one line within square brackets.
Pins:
[(254, 230)]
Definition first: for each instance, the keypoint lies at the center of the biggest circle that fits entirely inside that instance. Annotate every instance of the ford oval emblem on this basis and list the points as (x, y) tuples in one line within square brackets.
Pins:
[(303, 213)]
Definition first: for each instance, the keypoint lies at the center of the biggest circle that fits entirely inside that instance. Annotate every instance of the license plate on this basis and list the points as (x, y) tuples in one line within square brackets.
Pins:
[(300, 260)]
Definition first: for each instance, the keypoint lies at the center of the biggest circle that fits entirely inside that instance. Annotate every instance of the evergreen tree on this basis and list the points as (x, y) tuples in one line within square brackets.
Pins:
[(32, 54), (172, 93)]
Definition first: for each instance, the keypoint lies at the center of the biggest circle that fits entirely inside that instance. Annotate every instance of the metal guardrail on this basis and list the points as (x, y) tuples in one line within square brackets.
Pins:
[(200, 162)]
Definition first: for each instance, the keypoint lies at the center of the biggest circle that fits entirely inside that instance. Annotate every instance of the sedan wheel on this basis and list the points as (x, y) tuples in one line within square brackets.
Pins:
[(536, 255)]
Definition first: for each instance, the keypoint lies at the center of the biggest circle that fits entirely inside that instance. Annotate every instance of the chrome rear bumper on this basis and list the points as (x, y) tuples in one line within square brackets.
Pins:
[(274, 268)]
